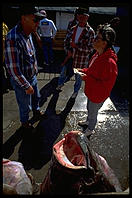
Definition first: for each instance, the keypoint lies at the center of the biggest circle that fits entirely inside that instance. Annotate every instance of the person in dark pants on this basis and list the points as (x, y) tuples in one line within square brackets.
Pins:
[(48, 31), (21, 63)]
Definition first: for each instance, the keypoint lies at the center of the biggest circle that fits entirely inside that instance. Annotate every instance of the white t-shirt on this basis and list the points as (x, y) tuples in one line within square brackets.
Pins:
[(78, 33)]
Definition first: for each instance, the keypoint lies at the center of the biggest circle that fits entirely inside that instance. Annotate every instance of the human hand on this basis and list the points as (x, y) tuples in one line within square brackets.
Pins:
[(82, 75), (30, 90), (78, 71)]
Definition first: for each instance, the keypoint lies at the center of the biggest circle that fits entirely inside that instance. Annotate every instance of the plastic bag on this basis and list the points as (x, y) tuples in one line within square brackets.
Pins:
[(15, 176)]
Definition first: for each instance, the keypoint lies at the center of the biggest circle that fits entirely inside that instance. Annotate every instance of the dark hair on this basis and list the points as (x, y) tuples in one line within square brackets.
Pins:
[(108, 33)]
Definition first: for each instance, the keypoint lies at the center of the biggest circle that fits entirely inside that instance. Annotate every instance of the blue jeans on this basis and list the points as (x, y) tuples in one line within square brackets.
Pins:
[(78, 82), (67, 73), (92, 109), (47, 49), (25, 101)]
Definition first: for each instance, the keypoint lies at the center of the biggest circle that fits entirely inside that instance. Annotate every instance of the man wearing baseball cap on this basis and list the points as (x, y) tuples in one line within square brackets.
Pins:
[(47, 31), (21, 63), (78, 46), (83, 11)]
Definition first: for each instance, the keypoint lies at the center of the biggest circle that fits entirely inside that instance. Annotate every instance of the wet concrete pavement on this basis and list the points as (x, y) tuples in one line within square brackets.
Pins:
[(111, 139)]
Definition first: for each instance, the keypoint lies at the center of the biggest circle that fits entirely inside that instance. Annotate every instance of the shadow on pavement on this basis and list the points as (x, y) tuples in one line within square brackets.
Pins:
[(9, 145), (47, 90), (121, 104), (36, 147)]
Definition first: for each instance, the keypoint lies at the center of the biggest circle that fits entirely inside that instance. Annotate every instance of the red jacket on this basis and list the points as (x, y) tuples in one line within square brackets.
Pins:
[(101, 76)]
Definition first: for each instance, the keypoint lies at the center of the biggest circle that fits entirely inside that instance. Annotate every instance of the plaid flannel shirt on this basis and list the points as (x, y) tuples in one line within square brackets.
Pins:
[(20, 58), (85, 45)]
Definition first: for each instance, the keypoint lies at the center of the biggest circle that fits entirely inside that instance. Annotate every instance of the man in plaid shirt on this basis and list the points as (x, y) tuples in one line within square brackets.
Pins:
[(78, 45), (21, 63)]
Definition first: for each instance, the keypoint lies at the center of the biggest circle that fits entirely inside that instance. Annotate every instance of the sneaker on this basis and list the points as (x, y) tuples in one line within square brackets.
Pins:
[(88, 132), (82, 124), (58, 88), (46, 63), (74, 95)]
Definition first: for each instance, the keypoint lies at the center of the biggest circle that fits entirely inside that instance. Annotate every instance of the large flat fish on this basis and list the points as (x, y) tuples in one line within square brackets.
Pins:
[(77, 169)]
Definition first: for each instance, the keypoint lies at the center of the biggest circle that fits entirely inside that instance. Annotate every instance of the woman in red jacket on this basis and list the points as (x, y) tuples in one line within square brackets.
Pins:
[(100, 76)]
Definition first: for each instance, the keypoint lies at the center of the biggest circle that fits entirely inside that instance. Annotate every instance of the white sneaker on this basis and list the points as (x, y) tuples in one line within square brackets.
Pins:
[(58, 88), (74, 95), (81, 123), (88, 132)]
